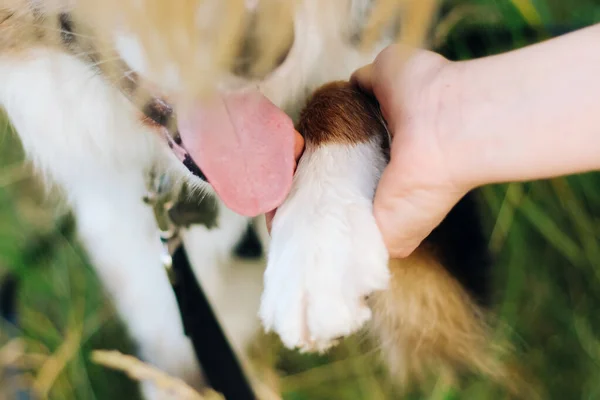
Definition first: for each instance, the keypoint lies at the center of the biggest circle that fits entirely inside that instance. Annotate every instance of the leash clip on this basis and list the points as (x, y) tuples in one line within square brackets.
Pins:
[(160, 198)]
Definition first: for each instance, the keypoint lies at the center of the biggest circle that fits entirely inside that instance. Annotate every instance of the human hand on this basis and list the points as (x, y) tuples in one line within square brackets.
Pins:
[(417, 188)]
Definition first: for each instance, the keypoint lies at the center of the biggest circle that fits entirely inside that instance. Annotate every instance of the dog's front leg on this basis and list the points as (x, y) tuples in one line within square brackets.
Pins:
[(326, 253), (120, 235), (86, 138)]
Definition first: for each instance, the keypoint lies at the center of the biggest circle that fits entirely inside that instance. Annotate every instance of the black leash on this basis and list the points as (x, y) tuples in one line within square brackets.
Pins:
[(218, 360), (213, 351)]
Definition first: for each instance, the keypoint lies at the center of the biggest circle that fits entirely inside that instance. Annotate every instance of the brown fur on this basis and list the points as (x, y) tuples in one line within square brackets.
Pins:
[(340, 113)]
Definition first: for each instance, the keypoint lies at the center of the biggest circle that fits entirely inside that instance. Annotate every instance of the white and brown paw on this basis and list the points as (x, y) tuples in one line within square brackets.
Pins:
[(326, 253)]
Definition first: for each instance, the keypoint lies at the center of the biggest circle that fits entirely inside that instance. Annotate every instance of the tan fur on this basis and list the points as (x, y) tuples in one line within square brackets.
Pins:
[(188, 35), (425, 321), (19, 28), (427, 326), (224, 27), (173, 33), (185, 42)]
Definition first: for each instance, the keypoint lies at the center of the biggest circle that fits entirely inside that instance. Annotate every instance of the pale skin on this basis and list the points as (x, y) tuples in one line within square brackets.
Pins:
[(528, 114)]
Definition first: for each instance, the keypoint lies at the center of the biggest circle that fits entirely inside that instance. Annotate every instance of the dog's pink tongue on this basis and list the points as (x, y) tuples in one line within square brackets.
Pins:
[(244, 145)]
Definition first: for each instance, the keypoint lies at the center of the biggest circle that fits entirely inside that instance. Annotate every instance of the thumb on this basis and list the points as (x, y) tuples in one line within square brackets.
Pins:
[(363, 77)]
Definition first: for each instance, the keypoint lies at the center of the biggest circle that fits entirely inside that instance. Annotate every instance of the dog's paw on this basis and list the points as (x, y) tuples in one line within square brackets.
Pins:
[(326, 256)]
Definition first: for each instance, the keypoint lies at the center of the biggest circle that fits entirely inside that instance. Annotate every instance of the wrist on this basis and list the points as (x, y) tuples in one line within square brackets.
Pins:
[(450, 114), (523, 115), (482, 122)]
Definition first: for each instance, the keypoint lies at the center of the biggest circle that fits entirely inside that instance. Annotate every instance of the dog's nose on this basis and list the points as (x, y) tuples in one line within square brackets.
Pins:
[(260, 53)]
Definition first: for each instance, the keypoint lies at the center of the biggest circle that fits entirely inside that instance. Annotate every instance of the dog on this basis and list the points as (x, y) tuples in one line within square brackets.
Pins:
[(102, 97)]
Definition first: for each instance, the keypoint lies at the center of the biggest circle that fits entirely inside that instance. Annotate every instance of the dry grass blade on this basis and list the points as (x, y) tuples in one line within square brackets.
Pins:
[(56, 363), (265, 392), (506, 215), (140, 371), (528, 10)]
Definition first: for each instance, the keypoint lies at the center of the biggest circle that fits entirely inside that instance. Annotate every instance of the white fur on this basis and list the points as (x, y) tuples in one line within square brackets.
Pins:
[(87, 139), (327, 253)]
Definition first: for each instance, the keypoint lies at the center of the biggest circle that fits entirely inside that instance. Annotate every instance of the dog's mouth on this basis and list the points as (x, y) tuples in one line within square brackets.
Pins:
[(240, 143)]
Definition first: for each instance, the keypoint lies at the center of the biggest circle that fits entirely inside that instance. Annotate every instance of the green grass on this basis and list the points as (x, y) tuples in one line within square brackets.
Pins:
[(544, 236)]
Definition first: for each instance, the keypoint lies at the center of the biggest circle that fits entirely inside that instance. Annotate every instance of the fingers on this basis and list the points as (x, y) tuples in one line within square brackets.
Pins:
[(363, 77), (379, 78), (382, 69)]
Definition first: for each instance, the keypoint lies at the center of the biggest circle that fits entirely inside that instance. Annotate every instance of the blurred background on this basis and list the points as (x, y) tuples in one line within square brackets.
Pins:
[(544, 236)]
